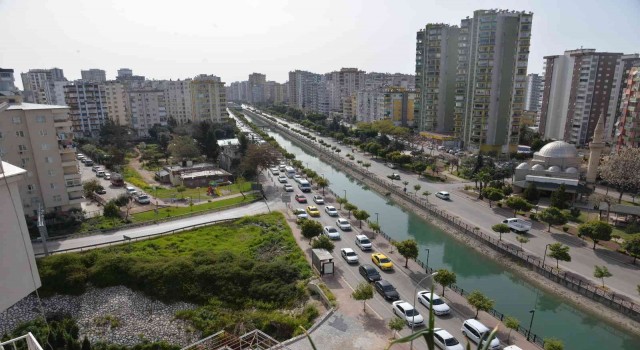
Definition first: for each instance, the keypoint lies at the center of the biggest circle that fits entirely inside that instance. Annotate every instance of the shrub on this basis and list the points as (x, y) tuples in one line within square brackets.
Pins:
[(574, 212), (499, 204), (533, 217), (565, 228)]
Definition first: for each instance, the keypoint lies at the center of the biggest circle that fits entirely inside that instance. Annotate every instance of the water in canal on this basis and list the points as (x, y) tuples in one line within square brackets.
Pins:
[(513, 295)]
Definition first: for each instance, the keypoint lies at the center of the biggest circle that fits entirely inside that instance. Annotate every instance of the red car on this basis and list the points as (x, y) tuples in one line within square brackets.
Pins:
[(301, 199)]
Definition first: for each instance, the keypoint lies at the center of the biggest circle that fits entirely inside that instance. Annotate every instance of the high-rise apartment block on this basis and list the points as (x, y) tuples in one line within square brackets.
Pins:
[(579, 87), (8, 91), (628, 125), (395, 104), (208, 99), (303, 90), (533, 93), (375, 80), (94, 75), (88, 107), (148, 108), (178, 100), (117, 104), (39, 86), (39, 139), (257, 83), (342, 85), (436, 67)]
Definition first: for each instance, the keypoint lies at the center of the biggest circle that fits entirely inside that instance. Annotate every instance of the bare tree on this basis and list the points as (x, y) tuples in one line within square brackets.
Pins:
[(622, 170)]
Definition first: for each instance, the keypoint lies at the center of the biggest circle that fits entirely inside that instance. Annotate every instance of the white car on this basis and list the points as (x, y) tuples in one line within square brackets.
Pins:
[(331, 210), (131, 191), (300, 213), (444, 340), (297, 178), (439, 306), (275, 171), (143, 199), (288, 188), (478, 333), (331, 232), (363, 242), (318, 199), (408, 313), (349, 255), (107, 176), (443, 195), (282, 179), (343, 224)]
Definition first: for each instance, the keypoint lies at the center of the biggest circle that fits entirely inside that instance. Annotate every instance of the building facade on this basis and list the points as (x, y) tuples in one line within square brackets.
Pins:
[(178, 100), (148, 108), (303, 90), (208, 99), (493, 54), (39, 139), (117, 102), (393, 103), (94, 75), (38, 86), (88, 108), (533, 93), (628, 126), (8, 91), (343, 84)]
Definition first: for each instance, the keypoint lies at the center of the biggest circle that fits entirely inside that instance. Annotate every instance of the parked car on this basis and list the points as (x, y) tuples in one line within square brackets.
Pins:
[(369, 273), (392, 165), (131, 191), (381, 261), (407, 312), (275, 171), (95, 168), (313, 211), (288, 188), (143, 199), (387, 290), (318, 199), (331, 232), (343, 224), (443, 195), (363, 242), (444, 340), (107, 176), (100, 173), (439, 306), (518, 225), (101, 190), (331, 210), (88, 162), (300, 213), (282, 179), (476, 332), (300, 198), (349, 255)]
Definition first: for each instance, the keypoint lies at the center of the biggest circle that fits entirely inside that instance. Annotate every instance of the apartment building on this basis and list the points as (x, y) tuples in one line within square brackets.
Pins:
[(375, 80), (148, 108), (88, 107), (117, 103), (370, 106), (208, 99), (178, 100), (257, 83), (533, 93), (393, 103), (39, 139), (493, 53), (343, 84), (94, 75), (628, 125), (436, 69), (579, 86), (8, 91), (38, 86), (303, 90)]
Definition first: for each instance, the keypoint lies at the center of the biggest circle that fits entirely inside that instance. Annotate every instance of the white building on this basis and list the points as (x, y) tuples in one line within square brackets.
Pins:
[(88, 108), (38, 85), (533, 93), (148, 108), (117, 103), (177, 95), (208, 99)]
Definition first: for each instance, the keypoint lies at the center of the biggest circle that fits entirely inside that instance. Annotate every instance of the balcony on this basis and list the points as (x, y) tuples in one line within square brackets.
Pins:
[(65, 149), (74, 188), (18, 343), (73, 176), (75, 199)]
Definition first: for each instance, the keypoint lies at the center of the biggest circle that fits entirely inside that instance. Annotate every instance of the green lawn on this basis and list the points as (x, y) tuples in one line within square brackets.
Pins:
[(176, 211), (248, 271)]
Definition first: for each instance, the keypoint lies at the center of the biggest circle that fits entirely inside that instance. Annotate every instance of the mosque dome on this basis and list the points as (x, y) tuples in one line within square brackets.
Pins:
[(571, 170), (558, 149), (524, 166), (537, 167), (554, 169)]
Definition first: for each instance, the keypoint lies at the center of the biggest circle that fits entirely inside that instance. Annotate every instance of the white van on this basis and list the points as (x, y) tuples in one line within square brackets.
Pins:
[(304, 186), (517, 224), (476, 331), (289, 171)]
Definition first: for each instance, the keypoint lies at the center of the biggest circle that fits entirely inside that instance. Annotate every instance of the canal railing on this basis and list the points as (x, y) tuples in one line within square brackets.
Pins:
[(571, 281)]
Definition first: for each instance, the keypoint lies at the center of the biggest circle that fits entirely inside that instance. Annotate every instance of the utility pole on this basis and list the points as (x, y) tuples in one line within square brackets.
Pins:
[(42, 228)]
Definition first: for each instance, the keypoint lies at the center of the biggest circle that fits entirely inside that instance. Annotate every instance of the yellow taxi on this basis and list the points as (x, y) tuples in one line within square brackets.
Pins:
[(381, 261), (313, 211)]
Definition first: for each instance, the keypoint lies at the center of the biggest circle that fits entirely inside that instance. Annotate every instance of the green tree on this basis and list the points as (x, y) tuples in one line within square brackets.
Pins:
[(183, 148), (90, 187), (552, 216), (405, 183), (518, 204), (363, 292), (559, 252), (375, 227), (360, 215), (501, 228), (408, 249), (396, 324), (323, 242), (522, 241), (417, 188), (350, 207), (181, 189), (311, 229), (426, 195), (531, 193), (553, 344), (601, 272), (560, 197), (632, 246), (492, 194), (111, 210), (322, 183), (341, 201), (622, 170), (512, 323), (480, 302), (596, 230), (445, 278)]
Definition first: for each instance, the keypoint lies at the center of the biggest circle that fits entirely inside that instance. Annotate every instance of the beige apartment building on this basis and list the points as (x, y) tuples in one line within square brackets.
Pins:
[(177, 95), (38, 138), (117, 103), (208, 99)]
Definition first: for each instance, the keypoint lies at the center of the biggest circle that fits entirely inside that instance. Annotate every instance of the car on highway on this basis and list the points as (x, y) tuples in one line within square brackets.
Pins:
[(381, 261), (318, 199), (439, 306), (391, 165), (288, 188), (408, 313), (282, 179), (343, 224), (297, 178), (444, 340), (369, 273), (394, 176), (363, 242), (331, 232), (300, 213), (331, 210), (477, 332), (313, 211), (282, 167), (443, 195), (275, 171), (349, 255), (300, 198), (387, 290), (143, 199)]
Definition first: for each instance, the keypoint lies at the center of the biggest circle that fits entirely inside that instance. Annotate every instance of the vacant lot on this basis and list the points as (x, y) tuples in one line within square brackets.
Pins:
[(248, 271)]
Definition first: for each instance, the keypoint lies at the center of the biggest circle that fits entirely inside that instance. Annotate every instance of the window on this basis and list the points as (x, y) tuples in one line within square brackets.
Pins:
[(53, 186), (43, 133), (20, 133), (51, 172), (25, 161), (40, 119), (22, 147), (0, 134), (45, 146), (31, 188), (17, 120), (57, 198), (48, 159)]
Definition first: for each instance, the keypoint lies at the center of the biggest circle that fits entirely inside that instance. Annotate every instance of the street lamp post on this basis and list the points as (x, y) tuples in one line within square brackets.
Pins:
[(377, 218), (413, 318), (533, 313), (427, 268), (345, 194), (545, 254)]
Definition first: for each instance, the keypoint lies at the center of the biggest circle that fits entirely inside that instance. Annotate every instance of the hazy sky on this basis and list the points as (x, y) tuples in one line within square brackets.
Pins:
[(180, 39)]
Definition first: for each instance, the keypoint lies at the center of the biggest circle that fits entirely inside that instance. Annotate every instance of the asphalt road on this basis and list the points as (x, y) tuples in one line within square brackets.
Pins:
[(626, 276)]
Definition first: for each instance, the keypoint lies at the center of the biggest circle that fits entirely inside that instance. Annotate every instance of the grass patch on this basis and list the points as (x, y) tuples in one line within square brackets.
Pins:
[(133, 177), (328, 293), (176, 211), (200, 192), (248, 271)]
